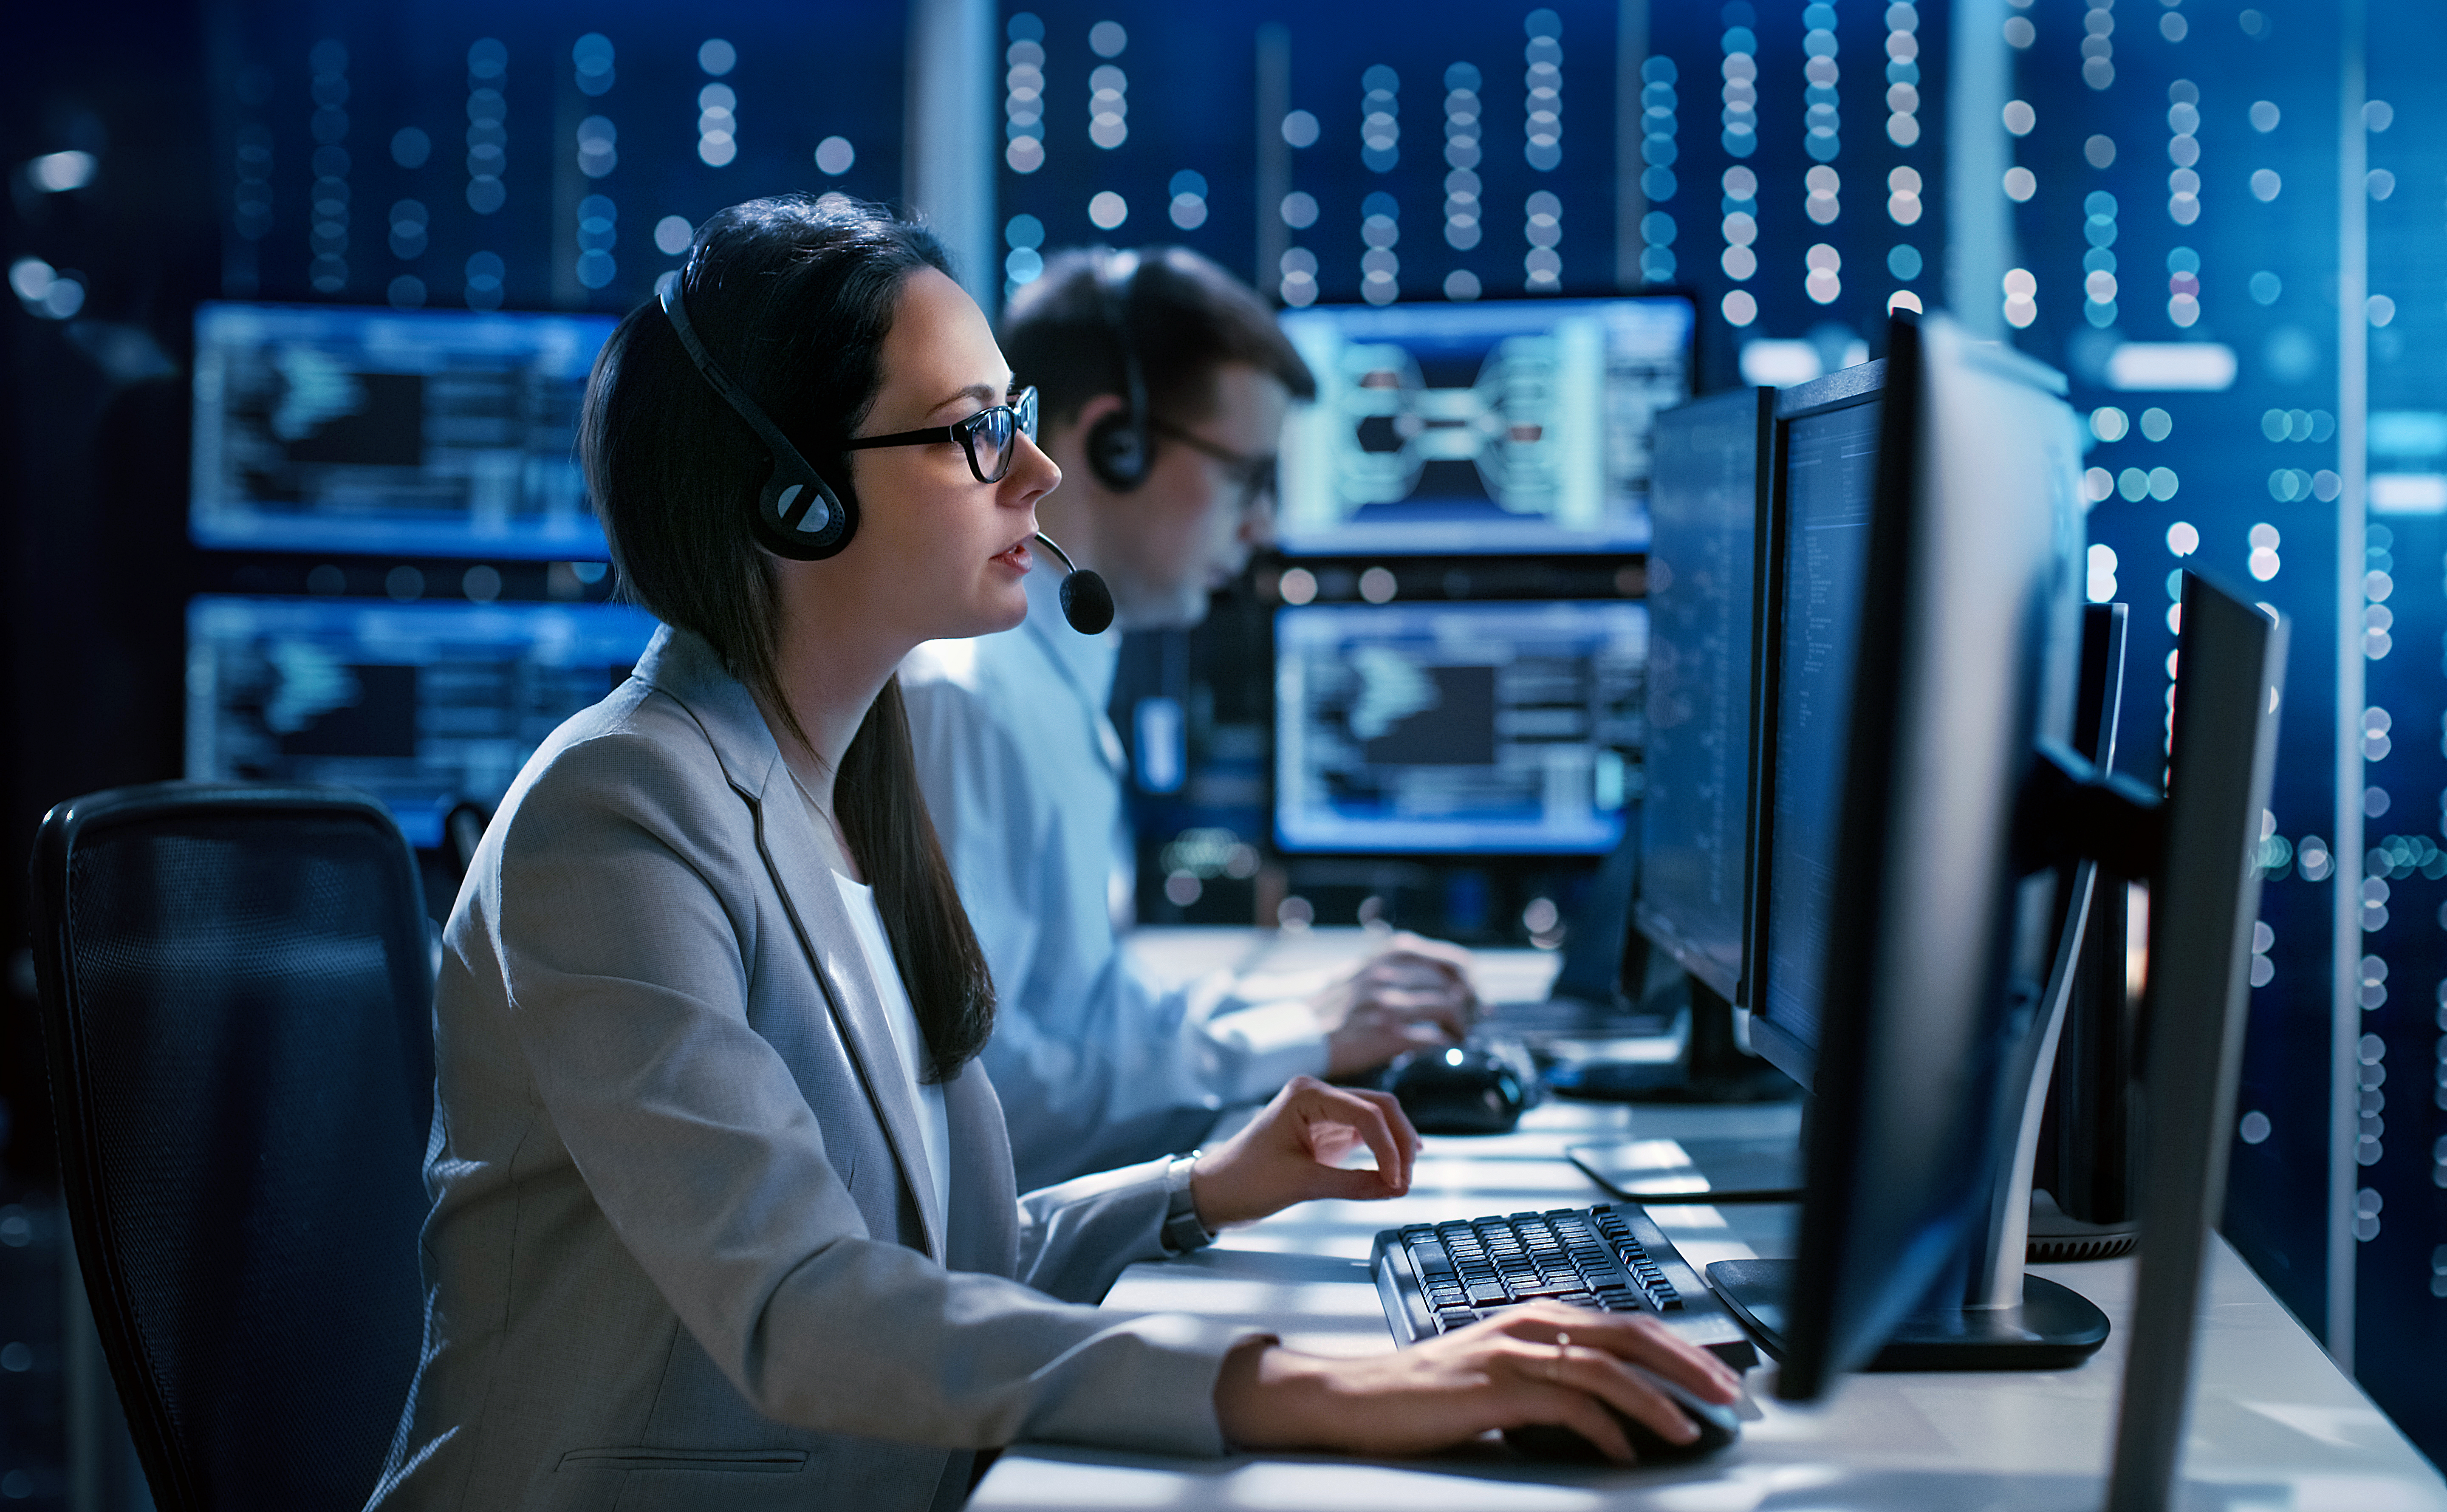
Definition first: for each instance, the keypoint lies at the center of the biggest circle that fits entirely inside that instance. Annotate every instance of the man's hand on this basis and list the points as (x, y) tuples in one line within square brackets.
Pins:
[(1412, 995)]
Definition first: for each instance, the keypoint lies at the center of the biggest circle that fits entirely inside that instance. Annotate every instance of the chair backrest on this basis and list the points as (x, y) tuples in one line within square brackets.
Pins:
[(237, 1000)]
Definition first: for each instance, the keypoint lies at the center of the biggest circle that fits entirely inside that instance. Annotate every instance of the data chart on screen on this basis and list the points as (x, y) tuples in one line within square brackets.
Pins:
[(428, 432), (1703, 571), (426, 706), (1499, 427), (1458, 728), (1830, 473)]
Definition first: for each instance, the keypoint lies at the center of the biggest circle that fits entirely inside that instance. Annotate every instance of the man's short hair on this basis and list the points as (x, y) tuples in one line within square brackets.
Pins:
[(1186, 316)]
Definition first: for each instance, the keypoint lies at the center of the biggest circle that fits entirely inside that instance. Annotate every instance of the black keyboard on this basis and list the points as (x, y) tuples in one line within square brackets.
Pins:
[(1435, 1278)]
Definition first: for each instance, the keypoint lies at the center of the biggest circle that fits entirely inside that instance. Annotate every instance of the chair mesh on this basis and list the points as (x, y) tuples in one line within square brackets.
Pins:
[(254, 1015)]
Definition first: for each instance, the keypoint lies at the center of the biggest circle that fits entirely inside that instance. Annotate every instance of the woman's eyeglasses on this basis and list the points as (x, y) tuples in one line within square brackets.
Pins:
[(990, 437)]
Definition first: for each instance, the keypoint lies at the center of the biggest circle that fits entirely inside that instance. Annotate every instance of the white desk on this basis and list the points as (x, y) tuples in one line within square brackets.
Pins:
[(1286, 962), (2274, 1425)]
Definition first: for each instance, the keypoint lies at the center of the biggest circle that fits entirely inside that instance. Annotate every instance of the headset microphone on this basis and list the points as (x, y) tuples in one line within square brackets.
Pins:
[(1086, 601)]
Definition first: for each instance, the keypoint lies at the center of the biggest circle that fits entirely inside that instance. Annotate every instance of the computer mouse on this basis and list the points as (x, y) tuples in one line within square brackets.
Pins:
[(1461, 1089), (1719, 1425)]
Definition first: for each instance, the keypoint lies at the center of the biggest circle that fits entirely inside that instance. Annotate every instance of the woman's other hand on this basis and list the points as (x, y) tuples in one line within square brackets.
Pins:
[(1293, 1151), (1509, 1371)]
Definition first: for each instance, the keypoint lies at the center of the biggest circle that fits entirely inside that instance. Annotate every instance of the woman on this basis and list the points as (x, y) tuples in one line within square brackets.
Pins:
[(723, 1212)]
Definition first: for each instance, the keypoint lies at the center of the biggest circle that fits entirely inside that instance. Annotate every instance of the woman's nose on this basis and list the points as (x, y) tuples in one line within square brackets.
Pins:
[(1034, 472)]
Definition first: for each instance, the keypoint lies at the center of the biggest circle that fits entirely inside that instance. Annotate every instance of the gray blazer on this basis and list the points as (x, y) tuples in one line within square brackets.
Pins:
[(684, 1250)]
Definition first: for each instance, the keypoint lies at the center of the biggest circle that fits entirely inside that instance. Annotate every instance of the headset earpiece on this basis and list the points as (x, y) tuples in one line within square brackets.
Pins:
[(796, 514), (1117, 451), (1117, 446)]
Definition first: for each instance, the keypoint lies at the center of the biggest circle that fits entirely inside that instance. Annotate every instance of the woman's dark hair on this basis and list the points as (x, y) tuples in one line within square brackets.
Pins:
[(793, 296)]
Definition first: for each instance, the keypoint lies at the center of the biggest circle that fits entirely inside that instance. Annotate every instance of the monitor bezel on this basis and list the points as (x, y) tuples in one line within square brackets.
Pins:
[(1291, 550)]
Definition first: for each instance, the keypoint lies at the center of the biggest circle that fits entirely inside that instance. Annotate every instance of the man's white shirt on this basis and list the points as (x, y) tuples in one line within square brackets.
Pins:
[(1023, 772)]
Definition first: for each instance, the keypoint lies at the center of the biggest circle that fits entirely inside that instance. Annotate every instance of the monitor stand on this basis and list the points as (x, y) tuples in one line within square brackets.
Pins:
[(1713, 1066), (2057, 1238), (2055, 1328), (2005, 1319)]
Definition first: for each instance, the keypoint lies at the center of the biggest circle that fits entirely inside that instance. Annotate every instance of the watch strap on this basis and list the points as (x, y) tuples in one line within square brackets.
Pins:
[(1183, 1231)]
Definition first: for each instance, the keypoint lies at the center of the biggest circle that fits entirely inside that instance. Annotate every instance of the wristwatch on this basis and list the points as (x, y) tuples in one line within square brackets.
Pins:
[(1182, 1232)]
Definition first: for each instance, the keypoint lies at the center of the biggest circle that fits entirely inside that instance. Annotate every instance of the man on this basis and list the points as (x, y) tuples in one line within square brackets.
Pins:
[(1163, 384)]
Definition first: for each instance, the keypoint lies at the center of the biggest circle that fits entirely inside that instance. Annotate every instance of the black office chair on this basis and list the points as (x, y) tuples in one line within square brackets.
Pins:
[(237, 1005)]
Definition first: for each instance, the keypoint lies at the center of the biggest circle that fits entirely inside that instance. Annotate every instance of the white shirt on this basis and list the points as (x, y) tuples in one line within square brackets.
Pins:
[(933, 1124), (1023, 773)]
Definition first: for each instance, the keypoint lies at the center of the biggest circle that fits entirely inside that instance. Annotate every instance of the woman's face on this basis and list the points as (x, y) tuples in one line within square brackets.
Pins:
[(938, 554)]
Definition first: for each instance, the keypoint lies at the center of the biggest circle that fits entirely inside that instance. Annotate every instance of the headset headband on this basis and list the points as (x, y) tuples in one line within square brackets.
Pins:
[(732, 393), (796, 513), (1118, 447)]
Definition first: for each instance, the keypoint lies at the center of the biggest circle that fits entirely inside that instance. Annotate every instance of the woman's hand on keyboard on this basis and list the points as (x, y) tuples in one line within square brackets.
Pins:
[(1294, 1151), (1508, 1372)]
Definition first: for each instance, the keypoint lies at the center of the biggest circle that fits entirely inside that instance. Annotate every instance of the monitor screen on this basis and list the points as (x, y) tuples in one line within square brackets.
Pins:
[(1830, 462), (1476, 729), (1702, 569), (1509, 425), (417, 433), (423, 704)]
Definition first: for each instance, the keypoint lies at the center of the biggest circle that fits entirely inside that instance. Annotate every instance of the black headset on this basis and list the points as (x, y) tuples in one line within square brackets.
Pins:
[(1119, 452), (797, 513), (799, 516)]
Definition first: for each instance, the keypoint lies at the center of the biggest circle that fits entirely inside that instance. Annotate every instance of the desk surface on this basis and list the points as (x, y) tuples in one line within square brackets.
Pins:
[(1288, 962), (2274, 1425)]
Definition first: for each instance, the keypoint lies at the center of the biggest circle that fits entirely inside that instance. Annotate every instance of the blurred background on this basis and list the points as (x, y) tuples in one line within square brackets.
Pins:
[(2226, 223)]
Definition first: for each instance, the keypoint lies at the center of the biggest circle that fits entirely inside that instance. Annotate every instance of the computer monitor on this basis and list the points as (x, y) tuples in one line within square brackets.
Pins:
[(423, 433), (1458, 728), (1491, 426), (1930, 643), (2201, 859), (426, 706), (1708, 509)]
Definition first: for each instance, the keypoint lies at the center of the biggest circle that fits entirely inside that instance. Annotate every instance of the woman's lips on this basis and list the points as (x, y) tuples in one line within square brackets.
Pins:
[(1016, 557)]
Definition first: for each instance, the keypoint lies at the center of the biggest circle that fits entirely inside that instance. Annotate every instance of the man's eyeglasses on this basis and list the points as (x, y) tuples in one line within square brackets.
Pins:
[(990, 437), (1256, 475)]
